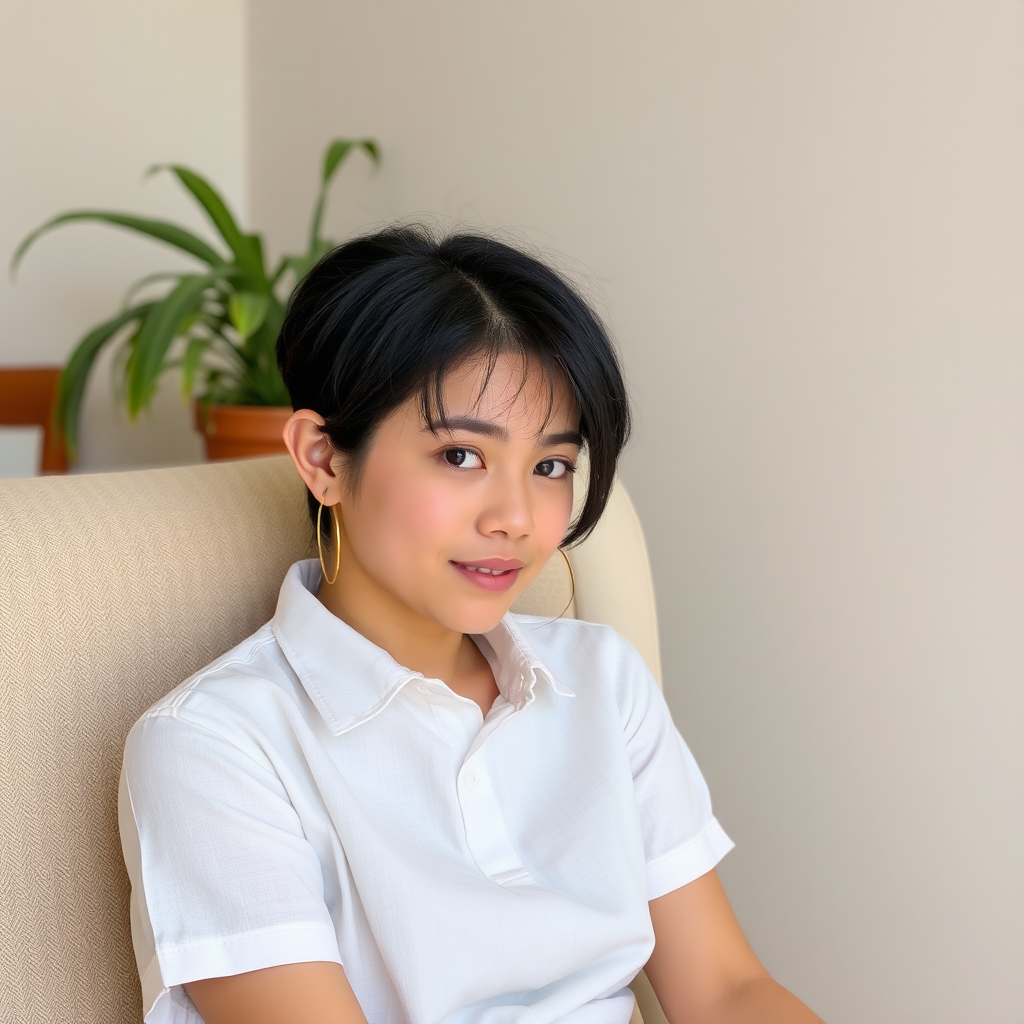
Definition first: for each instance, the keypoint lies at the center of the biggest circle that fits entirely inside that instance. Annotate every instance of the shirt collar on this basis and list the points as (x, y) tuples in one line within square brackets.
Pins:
[(350, 679)]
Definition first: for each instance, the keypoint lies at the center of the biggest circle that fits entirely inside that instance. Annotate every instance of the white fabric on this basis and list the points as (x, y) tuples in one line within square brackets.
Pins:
[(307, 798)]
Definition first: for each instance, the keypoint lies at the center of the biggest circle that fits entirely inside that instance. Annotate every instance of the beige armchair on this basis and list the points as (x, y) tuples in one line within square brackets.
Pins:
[(113, 589)]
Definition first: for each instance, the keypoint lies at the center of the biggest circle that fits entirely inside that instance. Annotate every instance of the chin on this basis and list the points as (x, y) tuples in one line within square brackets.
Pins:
[(478, 617)]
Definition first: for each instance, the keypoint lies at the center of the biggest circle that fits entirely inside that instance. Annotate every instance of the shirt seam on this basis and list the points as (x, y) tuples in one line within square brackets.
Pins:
[(175, 703), (710, 823), (235, 937), (268, 767)]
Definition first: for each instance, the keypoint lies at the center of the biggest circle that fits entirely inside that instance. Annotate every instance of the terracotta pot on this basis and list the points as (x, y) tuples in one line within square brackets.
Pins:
[(241, 431)]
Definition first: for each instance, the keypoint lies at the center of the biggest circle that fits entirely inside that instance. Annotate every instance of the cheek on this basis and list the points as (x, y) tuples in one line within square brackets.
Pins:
[(431, 515), (551, 516), (405, 521)]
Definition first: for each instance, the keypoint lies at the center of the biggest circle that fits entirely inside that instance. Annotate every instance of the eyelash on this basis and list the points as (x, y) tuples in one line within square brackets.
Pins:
[(569, 467)]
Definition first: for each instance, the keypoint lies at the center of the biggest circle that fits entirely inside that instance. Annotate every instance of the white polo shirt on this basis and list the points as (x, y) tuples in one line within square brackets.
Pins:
[(307, 798)]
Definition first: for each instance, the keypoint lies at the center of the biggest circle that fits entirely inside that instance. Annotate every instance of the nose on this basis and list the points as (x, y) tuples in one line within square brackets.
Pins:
[(508, 509)]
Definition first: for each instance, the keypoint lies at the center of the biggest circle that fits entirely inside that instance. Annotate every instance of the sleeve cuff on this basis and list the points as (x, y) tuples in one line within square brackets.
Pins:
[(685, 863), (233, 954)]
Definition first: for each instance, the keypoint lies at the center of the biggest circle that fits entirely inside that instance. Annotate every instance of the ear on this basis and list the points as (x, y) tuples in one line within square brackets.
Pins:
[(317, 462)]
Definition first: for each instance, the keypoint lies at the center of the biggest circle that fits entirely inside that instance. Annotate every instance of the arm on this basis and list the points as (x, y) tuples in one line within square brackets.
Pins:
[(703, 970), (313, 993)]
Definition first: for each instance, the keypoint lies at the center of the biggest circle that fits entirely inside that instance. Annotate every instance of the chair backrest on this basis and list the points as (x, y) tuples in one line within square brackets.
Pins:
[(27, 398), (113, 589)]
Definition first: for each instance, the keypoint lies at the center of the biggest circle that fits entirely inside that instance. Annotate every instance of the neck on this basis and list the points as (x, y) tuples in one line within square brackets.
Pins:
[(414, 641)]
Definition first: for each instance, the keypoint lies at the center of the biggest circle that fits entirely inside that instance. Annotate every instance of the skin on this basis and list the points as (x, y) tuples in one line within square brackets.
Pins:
[(424, 502)]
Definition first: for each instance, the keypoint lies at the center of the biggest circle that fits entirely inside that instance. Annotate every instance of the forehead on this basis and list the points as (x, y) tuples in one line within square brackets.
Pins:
[(512, 388)]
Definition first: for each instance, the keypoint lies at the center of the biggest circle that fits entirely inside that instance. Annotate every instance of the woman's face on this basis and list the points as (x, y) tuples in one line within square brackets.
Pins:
[(455, 523)]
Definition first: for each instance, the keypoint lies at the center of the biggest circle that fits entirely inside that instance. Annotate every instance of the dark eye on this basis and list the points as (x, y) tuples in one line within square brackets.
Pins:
[(553, 469), (463, 458)]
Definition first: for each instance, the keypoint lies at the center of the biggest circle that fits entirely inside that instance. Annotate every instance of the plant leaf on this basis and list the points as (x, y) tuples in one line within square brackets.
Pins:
[(300, 266), (209, 199), (247, 248), (161, 230), (279, 271), (340, 148), (162, 275), (163, 323), (190, 363), (247, 311), (334, 157), (75, 375)]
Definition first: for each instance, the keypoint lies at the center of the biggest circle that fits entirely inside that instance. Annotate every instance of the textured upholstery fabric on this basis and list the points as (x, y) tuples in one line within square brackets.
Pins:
[(113, 589)]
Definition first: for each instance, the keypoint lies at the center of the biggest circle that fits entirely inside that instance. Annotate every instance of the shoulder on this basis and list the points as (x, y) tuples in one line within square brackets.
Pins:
[(552, 633), (233, 701), (588, 640), (587, 656), (237, 676)]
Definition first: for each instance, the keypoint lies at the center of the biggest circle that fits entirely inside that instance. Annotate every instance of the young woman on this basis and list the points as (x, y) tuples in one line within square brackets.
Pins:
[(397, 802)]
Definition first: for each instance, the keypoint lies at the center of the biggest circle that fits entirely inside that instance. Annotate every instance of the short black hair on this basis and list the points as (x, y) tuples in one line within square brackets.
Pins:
[(389, 315)]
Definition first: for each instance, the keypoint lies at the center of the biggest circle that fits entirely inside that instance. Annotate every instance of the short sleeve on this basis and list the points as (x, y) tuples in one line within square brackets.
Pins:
[(682, 839), (223, 879)]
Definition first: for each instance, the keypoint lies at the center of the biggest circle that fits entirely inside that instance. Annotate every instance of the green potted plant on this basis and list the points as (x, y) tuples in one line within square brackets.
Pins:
[(217, 324)]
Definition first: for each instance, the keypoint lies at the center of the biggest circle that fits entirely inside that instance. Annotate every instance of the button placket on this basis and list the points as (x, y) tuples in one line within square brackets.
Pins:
[(487, 834)]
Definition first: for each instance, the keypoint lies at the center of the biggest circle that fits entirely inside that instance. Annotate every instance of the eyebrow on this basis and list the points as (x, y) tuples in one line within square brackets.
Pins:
[(499, 433)]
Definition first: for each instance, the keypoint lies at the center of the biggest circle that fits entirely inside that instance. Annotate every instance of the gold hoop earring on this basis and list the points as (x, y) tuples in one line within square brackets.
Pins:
[(572, 582), (336, 537)]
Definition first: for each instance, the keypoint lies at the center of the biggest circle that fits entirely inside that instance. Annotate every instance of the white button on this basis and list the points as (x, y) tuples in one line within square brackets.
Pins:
[(472, 780)]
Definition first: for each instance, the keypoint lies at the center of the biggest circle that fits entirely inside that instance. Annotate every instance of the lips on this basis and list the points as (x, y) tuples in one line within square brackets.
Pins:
[(492, 565), (491, 574)]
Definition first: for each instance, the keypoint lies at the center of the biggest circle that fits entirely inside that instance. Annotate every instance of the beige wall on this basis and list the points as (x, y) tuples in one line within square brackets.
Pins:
[(91, 93), (805, 222)]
